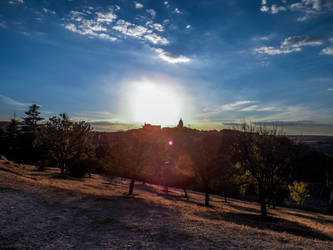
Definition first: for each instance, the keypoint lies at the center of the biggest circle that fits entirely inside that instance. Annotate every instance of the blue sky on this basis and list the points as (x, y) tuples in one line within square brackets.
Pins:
[(224, 61)]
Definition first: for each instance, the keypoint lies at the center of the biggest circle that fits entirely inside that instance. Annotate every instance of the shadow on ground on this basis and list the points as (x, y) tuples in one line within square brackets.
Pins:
[(318, 218), (272, 223), (246, 209)]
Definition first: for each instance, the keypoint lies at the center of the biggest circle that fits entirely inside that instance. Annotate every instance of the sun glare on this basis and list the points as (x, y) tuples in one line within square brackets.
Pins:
[(155, 103)]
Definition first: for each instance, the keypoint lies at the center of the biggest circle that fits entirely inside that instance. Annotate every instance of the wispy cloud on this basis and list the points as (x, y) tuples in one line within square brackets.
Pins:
[(16, 1), (95, 116), (151, 12), (259, 108), (290, 45), (138, 5), (262, 38), (9, 101), (129, 29), (274, 9), (235, 105), (90, 31), (300, 41), (47, 11), (269, 50), (327, 51), (257, 111), (330, 89), (95, 27), (156, 26), (307, 8), (139, 32), (177, 11), (106, 25), (171, 57)]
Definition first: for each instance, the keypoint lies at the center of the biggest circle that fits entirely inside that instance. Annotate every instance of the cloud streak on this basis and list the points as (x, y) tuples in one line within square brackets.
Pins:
[(47, 11), (170, 57), (9, 101), (289, 45)]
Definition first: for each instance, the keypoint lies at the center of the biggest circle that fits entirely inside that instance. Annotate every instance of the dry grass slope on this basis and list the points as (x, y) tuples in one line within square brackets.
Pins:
[(40, 210)]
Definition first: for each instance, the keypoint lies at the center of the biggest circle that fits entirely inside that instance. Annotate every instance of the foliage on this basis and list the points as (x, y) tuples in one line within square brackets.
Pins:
[(128, 155), (299, 192), (204, 151), (265, 155), (30, 127), (66, 141), (79, 168), (32, 119), (12, 138)]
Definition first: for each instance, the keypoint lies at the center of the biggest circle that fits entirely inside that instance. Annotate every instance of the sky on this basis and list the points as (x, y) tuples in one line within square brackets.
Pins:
[(213, 63)]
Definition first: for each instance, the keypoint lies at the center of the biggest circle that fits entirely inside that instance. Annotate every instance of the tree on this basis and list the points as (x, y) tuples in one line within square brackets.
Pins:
[(265, 155), (299, 192), (66, 141), (129, 155), (227, 174), (2, 141), (30, 127), (30, 122), (12, 136), (204, 150)]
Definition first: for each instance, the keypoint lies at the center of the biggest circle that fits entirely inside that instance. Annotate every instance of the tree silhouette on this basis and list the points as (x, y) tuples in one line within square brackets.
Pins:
[(265, 158), (129, 155), (30, 126), (66, 141), (204, 151), (12, 137), (30, 122)]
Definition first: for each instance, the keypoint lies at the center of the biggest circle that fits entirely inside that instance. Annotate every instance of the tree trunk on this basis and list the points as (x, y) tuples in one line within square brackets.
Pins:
[(225, 199), (330, 202), (166, 190), (185, 193), (206, 199), (62, 166), (131, 187), (262, 201)]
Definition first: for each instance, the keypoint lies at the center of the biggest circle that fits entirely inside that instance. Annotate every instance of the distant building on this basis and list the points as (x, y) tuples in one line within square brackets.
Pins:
[(152, 128)]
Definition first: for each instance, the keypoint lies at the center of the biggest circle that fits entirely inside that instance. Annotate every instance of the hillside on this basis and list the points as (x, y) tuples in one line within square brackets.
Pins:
[(41, 210)]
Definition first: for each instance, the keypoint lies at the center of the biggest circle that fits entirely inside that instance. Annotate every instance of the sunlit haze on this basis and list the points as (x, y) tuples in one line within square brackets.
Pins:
[(154, 103)]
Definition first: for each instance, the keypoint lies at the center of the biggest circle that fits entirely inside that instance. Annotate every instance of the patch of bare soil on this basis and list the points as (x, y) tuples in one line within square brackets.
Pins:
[(39, 210)]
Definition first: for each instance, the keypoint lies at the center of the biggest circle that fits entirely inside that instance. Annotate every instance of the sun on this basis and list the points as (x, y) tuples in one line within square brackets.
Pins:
[(155, 103)]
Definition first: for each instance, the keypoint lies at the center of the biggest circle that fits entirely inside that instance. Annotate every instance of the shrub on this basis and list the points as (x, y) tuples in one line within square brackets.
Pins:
[(299, 192), (80, 168)]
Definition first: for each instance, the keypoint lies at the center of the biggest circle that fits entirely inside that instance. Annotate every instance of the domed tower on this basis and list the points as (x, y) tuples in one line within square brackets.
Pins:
[(180, 123)]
